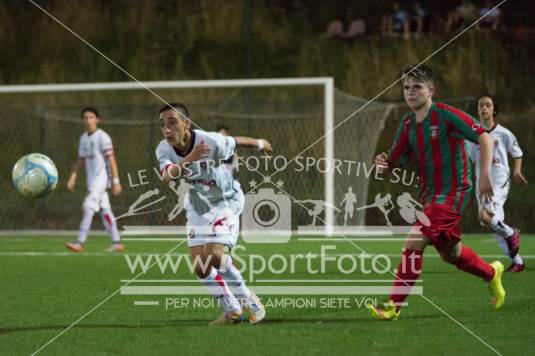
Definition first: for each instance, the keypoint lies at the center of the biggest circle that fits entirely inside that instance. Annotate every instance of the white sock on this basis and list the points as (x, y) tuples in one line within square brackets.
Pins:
[(108, 220), (500, 227), (220, 291), (85, 224), (234, 279), (518, 260), (503, 244)]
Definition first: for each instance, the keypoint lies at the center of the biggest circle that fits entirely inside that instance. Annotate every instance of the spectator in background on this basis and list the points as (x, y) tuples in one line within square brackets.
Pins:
[(396, 23), (463, 16), (355, 29), (494, 18), (335, 29), (419, 19)]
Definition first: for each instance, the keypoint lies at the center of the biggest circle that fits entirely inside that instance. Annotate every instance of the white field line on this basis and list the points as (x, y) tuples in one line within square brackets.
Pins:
[(146, 302), (276, 290), (115, 255)]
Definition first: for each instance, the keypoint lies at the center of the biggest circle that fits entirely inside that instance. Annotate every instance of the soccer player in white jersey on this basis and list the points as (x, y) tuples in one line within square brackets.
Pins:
[(214, 205), (96, 152), (491, 213)]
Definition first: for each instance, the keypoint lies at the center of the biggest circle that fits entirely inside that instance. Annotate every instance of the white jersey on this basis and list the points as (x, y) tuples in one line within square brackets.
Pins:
[(95, 149), (504, 142), (211, 179)]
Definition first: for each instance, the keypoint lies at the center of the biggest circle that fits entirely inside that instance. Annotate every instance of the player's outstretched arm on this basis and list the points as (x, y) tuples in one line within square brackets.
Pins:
[(486, 148), (200, 151), (517, 172), (71, 182), (260, 143), (116, 184)]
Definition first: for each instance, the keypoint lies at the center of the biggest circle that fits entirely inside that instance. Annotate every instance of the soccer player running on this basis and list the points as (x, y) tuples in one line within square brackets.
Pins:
[(491, 213), (433, 136), (214, 205), (96, 151)]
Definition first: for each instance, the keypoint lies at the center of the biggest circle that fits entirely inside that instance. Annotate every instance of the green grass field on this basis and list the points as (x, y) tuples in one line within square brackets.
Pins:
[(44, 289)]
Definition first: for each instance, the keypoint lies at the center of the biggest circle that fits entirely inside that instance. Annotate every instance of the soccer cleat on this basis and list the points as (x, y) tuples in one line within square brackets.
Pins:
[(228, 318), (75, 246), (495, 285), (513, 243), (116, 247), (255, 309), (388, 311), (515, 267)]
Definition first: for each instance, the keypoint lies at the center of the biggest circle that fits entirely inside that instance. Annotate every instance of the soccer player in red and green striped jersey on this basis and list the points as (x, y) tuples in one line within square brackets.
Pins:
[(433, 136)]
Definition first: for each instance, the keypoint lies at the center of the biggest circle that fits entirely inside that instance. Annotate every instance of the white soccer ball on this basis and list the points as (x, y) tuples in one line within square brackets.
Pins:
[(35, 175)]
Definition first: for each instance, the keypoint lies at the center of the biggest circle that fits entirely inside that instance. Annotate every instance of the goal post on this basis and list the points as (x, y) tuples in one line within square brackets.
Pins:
[(55, 110)]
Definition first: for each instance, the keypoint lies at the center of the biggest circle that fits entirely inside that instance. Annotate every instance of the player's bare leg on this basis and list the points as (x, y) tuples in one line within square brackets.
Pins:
[(206, 273), (234, 279)]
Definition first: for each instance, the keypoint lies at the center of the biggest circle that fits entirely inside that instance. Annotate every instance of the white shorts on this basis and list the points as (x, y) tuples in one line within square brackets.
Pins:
[(221, 225), (495, 206), (97, 200)]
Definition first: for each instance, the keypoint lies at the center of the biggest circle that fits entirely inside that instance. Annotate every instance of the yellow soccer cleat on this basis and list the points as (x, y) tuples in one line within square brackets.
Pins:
[(388, 311), (495, 285), (228, 318)]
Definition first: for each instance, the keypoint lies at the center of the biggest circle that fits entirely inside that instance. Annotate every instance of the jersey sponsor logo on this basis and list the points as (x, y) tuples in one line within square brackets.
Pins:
[(210, 182), (434, 131), (475, 127)]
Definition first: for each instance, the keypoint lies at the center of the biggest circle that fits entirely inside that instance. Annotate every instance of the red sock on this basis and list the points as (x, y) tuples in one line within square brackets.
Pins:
[(409, 270), (470, 262)]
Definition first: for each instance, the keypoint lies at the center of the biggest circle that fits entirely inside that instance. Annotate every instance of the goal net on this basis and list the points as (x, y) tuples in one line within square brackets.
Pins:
[(318, 151)]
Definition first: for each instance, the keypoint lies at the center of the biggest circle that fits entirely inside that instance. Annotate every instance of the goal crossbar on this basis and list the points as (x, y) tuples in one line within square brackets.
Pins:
[(326, 82), (178, 84)]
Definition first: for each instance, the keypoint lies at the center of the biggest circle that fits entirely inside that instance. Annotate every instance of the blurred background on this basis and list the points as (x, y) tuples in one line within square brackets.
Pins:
[(361, 44)]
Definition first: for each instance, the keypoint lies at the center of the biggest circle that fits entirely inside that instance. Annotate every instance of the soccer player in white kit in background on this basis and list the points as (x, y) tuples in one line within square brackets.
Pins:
[(96, 151), (215, 202), (491, 213)]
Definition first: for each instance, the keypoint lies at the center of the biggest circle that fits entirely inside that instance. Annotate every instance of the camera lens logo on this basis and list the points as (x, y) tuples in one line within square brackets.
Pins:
[(266, 213), (266, 217)]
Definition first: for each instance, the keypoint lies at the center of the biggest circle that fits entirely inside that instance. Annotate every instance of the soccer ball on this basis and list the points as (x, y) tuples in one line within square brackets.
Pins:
[(35, 175)]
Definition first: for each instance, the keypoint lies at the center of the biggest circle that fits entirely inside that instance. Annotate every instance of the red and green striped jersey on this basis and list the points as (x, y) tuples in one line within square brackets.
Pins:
[(437, 146)]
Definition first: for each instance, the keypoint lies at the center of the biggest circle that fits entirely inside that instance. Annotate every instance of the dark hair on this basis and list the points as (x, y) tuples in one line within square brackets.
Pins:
[(91, 110), (494, 102), (221, 127), (419, 72), (181, 108)]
